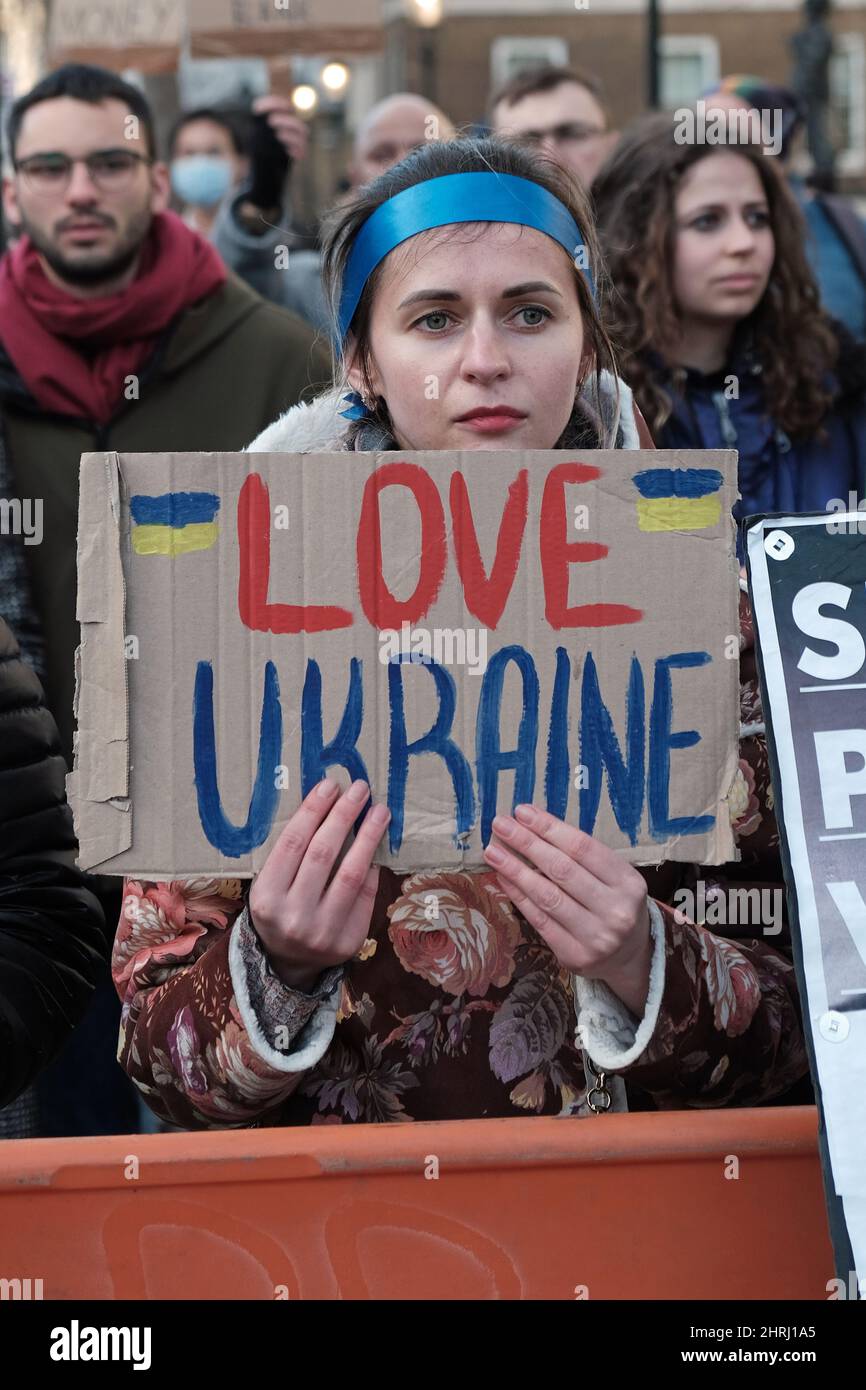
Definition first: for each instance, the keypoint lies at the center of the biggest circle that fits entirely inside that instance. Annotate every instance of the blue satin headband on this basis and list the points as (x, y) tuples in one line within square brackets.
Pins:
[(481, 197)]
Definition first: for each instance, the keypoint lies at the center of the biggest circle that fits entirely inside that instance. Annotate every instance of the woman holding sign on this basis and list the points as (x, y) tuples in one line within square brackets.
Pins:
[(337, 991)]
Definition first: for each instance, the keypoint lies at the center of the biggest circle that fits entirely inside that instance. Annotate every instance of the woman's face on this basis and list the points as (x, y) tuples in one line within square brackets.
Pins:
[(724, 245), (466, 322)]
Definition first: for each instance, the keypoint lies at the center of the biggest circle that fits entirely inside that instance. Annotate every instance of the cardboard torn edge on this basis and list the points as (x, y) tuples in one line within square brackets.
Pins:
[(100, 781), (97, 788)]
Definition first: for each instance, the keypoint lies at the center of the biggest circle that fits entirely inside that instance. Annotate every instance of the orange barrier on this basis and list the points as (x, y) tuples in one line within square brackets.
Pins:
[(619, 1206)]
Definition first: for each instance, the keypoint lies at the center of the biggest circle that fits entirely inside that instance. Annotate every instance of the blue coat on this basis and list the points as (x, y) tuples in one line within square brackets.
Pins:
[(776, 474)]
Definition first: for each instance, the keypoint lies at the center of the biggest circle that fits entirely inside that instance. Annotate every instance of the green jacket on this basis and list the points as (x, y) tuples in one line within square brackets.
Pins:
[(232, 364)]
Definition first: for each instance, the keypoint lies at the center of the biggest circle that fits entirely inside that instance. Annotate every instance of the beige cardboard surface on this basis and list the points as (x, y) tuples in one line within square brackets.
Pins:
[(117, 33), (266, 28), (555, 610)]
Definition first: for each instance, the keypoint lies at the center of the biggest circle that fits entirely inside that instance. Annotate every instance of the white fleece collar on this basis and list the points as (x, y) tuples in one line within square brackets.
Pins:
[(316, 427)]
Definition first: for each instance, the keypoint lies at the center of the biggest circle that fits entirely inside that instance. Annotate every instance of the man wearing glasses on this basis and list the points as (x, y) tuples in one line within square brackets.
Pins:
[(119, 326), (558, 111), (120, 329)]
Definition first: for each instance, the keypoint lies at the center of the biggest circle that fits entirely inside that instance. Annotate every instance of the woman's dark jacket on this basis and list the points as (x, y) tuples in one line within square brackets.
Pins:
[(52, 930), (726, 410)]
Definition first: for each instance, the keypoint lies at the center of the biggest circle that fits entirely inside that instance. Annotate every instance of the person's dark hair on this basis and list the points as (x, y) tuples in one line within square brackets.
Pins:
[(83, 82), (793, 340), (543, 78), (461, 156), (226, 119)]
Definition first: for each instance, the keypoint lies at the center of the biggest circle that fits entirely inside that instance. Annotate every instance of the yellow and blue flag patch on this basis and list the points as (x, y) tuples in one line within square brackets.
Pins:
[(175, 523), (678, 499)]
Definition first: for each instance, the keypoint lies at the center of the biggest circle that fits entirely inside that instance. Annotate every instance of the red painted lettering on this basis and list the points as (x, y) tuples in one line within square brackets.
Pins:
[(254, 540), (558, 552), (382, 609), (485, 596)]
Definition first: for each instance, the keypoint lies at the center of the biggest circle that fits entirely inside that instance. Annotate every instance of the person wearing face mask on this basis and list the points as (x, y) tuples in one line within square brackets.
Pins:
[(253, 224), (320, 993), (208, 159), (120, 328)]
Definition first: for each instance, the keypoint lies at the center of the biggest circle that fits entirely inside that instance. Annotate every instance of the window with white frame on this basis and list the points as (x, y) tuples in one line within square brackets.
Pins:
[(688, 65), (848, 102), (515, 53)]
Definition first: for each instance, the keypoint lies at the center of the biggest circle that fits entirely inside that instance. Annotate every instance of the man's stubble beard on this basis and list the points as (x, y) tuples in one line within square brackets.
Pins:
[(101, 271)]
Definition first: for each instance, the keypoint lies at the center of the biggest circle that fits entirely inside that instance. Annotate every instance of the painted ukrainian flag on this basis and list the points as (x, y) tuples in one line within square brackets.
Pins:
[(175, 523), (678, 499)]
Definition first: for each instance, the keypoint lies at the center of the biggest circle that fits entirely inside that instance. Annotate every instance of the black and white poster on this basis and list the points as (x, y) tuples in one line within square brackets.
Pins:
[(808, 586)]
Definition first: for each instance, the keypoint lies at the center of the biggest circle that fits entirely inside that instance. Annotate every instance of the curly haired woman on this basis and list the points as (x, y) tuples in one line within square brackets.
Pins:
[(717, 321)]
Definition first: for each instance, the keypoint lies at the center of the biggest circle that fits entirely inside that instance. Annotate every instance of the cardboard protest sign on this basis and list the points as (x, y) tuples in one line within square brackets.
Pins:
[(808, 580), (143, 34), (464, 630), (271, 28)]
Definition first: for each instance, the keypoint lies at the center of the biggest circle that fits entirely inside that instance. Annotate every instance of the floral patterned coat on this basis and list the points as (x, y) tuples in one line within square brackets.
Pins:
[(458, 1010)]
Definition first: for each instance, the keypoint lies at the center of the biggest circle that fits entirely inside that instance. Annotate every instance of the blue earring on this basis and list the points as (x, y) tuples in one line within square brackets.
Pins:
[(358, 409)]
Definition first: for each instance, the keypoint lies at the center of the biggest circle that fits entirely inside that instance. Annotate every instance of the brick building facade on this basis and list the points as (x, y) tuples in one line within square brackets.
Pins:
[(479, 41)]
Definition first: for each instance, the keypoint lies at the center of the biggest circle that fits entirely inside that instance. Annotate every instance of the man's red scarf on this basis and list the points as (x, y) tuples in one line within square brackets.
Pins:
[(73, 354)]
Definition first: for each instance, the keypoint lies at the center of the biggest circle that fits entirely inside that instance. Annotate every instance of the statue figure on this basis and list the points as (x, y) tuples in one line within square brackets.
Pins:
[(812, 47)]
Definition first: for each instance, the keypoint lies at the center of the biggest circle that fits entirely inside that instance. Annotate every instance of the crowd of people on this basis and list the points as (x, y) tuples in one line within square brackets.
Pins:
[(145, 306)]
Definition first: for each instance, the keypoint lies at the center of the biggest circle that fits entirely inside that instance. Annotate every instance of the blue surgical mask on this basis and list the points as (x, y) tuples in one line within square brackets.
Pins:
[(201, 179)]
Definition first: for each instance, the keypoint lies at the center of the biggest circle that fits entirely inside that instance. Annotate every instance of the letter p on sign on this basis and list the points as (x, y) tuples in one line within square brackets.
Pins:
[(838, 784)]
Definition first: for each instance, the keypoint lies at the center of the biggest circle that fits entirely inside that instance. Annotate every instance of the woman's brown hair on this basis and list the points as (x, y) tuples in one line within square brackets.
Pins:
[(791, 336), (461, 156)]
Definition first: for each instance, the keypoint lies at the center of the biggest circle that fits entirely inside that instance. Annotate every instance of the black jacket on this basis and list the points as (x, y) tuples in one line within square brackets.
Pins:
[(52, 930)]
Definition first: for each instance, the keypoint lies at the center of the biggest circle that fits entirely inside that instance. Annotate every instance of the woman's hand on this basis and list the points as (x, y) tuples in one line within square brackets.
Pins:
[(305, 923), (583, 900)]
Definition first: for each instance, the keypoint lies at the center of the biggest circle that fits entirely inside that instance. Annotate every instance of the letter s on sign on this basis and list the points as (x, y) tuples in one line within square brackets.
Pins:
[(806, 612)]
